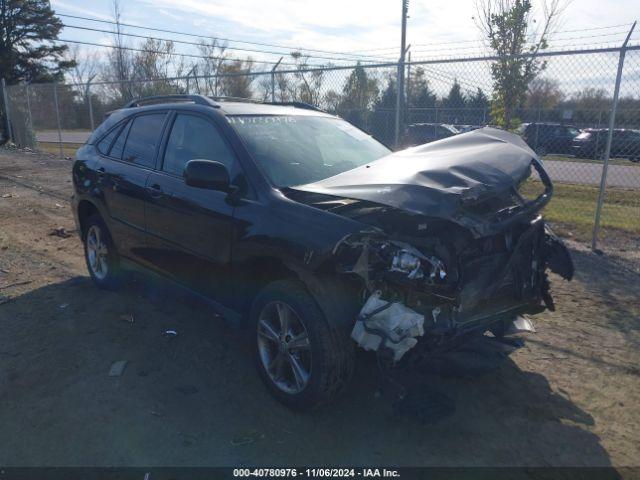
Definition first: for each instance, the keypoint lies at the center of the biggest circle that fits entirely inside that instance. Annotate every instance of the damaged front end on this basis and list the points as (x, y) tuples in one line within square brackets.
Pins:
[(445, 291), (473, 256)]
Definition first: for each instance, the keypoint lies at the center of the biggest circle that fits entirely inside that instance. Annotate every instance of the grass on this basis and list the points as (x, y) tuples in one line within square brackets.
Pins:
[(612, 161), (68, 149), (573, 208)]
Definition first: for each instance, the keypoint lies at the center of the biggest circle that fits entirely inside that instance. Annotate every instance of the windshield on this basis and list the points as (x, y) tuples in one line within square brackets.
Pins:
[(300, 149)]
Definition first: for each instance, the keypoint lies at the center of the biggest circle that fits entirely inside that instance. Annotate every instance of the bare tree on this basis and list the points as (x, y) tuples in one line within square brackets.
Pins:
[(215, 53), (544, 94), (155, 67), (85, 70), (516, 36), (308, 87), (236, 78), (118, 67)]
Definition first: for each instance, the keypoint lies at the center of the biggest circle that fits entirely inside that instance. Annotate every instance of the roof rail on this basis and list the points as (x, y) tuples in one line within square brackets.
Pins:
[(157, 99), (306, 106)]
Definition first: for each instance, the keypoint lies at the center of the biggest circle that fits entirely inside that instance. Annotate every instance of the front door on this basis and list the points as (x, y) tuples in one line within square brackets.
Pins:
[(189, 229)]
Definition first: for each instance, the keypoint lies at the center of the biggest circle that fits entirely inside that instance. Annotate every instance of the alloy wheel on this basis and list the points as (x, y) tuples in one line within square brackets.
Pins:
[(284, 348), (97, 252)]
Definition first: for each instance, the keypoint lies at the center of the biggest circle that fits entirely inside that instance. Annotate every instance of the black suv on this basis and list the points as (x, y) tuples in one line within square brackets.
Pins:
[(312, 232), (421, 133), (545, 138), (592, 142)]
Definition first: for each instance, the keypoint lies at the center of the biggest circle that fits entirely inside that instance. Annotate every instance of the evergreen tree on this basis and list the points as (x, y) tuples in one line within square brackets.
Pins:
[(358, 95), (27, 52), (455, 99)]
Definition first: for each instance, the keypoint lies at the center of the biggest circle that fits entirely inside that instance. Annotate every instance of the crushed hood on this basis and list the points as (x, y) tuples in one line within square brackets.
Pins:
[(439, 179)]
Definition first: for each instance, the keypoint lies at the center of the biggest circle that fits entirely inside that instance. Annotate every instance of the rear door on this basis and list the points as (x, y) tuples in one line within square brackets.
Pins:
[(128, 156), (189, 229)]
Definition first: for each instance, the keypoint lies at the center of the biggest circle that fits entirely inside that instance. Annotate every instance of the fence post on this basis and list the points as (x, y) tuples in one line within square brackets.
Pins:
[(87, 95), (273, 80), (399, 89), (607, 151), (7, 115), (55, 101), (28, 94)]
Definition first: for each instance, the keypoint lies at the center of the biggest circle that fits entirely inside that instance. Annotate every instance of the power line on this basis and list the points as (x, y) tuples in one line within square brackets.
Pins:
[(541, 53), (551, 36), (207, 57), (201, 44), (178, 54), (483, 49), (175, 32)]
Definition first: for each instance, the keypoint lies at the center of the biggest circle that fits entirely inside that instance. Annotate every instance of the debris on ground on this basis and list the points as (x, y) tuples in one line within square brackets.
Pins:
[(169, 334), (7, 195), (60, 232), (127, 317), (62, 306), (117, 368)]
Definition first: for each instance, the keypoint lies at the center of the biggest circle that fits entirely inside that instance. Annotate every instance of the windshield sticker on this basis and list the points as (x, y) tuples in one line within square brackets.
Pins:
[(262, 120)]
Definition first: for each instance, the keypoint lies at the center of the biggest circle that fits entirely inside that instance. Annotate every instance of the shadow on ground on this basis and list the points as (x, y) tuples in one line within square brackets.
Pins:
[(194, 398)]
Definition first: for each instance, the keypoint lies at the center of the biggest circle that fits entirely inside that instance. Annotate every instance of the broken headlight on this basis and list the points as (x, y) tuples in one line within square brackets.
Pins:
[(416, 265)]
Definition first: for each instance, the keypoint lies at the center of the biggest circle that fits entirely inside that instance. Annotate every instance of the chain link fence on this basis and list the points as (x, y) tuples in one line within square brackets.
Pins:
[(565, 119)]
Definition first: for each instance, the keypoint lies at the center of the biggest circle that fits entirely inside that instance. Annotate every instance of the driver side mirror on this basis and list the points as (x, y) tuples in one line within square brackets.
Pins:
[(206, 174)]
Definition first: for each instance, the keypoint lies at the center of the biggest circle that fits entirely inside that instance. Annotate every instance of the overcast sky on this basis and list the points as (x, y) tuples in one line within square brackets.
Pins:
[(343, 25)]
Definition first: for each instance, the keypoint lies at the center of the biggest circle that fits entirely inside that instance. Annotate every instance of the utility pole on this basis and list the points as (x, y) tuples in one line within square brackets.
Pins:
[(400, 86)]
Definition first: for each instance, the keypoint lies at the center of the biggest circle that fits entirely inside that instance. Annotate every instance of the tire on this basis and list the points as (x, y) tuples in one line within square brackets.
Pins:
[(327, 357), (102, 258), (499, 328)]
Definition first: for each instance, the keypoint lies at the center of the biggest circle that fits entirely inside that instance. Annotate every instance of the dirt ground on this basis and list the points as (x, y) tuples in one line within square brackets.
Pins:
[(570, 396)]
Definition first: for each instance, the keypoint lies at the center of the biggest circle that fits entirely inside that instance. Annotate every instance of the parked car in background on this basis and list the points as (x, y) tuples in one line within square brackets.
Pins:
[(545, 138), (591, 143), (466, 128), (314, 235), (420, 133)]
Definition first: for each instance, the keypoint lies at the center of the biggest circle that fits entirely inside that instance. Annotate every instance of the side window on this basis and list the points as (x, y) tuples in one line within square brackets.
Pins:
[(104, 144), (194, 137), (143, 139), (118, 145)]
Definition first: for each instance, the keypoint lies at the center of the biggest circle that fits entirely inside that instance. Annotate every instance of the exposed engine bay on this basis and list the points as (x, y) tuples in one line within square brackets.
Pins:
[(452, 245), (443, 291)]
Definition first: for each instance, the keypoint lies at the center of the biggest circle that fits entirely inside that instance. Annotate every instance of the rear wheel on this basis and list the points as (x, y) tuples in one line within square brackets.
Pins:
[(100, 254), (302, 360)]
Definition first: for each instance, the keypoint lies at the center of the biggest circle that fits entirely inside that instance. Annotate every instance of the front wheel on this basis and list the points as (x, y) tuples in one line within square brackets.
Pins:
[(302, 360), (100, 254)]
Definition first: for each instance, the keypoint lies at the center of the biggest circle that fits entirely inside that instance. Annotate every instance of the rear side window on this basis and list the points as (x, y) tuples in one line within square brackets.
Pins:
[(105, 144), (193, 137), (143, 139), (118, 145)]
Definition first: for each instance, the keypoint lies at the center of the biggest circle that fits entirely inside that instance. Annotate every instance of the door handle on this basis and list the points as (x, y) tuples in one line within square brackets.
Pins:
[(154, 190)]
